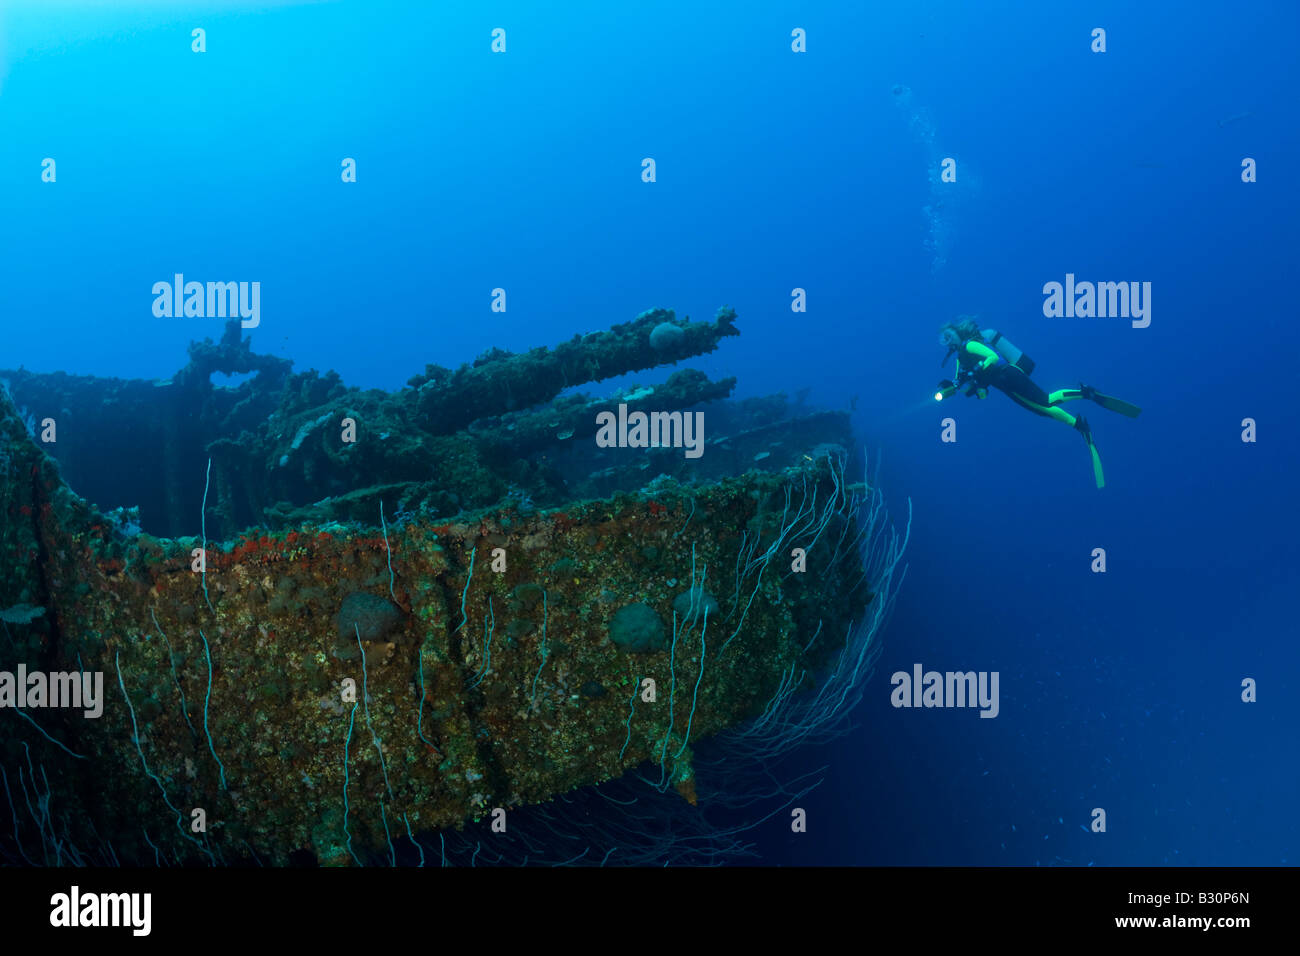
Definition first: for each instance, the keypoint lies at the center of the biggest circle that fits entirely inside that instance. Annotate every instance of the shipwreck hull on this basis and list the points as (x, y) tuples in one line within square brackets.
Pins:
[(494, 658)]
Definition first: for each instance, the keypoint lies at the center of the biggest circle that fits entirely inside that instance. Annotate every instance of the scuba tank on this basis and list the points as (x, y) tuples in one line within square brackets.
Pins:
[(998, 343)]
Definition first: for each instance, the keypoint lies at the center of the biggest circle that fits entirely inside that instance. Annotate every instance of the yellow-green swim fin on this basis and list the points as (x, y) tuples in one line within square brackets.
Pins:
[(1081, 424), (1096, 466), (1111, 402)]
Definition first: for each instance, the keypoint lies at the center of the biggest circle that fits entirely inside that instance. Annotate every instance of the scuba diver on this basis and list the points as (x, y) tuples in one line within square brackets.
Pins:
[(986, 359)]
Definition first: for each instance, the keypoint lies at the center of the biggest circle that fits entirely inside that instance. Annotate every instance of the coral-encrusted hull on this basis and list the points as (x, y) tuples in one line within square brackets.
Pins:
[(484, 668)]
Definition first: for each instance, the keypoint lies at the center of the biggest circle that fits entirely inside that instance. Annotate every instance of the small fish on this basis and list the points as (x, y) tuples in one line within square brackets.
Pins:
[(1233, 119)]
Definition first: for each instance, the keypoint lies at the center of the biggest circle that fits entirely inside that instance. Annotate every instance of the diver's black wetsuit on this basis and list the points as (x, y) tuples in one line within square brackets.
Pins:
[(1017, 386), (1009, 380)]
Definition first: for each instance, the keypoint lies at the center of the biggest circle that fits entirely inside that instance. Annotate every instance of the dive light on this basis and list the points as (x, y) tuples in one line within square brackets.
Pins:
[(945, 390)]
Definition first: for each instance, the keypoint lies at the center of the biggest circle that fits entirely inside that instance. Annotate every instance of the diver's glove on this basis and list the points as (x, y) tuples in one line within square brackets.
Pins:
[(972, 382)]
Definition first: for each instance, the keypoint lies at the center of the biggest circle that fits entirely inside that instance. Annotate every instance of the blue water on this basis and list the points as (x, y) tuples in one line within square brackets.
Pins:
[(778, 170)]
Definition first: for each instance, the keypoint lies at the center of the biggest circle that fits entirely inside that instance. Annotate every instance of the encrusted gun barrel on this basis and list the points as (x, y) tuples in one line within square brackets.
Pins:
[(502, 382)]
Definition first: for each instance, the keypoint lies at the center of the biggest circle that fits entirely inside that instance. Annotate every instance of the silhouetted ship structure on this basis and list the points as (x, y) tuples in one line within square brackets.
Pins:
[(520, 611)]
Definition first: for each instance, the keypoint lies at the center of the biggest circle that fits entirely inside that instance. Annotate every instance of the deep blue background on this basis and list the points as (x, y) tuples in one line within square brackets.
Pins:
[(778, 171)]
